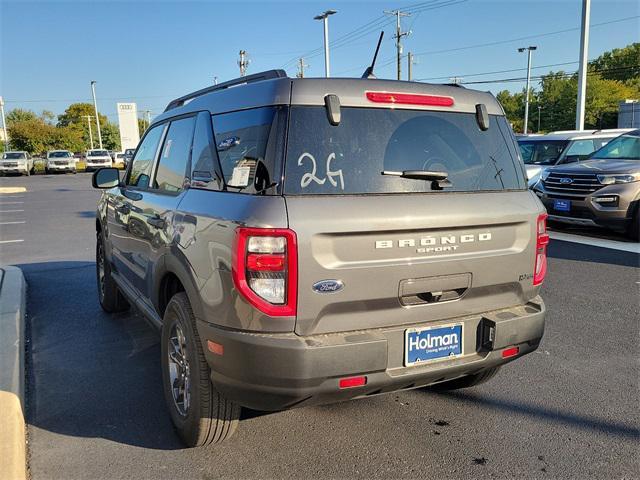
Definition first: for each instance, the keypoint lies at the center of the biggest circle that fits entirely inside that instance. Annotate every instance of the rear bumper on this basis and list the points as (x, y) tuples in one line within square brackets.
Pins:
[(279, 371)]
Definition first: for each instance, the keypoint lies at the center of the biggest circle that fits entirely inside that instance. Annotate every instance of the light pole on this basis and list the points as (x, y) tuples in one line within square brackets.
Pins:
[(539, 111), (95, 106), (582, 71), (4, 126), (89, 117), (528, 49), (325, 19)]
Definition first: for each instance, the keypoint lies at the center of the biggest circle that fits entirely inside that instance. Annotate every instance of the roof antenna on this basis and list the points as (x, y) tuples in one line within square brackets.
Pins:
[(368, 73)]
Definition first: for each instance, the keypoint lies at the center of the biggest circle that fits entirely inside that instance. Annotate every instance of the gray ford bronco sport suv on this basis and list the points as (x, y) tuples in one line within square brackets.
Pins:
[(306, 241)]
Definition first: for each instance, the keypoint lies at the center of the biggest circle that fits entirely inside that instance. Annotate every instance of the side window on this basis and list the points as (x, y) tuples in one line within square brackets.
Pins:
[(174, 157), (204, 170), (142, 163), (250, 147)]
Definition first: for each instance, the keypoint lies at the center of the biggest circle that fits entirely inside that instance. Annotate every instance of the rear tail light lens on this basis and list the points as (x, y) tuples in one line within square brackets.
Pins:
[(542, 240), (265, 270), (410, 99)]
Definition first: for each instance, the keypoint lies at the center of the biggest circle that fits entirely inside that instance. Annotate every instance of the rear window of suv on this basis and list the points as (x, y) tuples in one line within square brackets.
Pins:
[(349, 158)]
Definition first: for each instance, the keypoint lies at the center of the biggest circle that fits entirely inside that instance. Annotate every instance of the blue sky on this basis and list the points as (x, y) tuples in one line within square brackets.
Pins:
[(151, 52)]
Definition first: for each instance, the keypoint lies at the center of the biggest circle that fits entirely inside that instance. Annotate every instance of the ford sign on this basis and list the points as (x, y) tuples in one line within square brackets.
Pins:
[(328, 286)]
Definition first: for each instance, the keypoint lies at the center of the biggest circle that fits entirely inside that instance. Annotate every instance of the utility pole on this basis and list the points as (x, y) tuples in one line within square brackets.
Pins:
[(243, 63), (456, 80), (398, 36), (89, 117), (410, 66), (582, 71), (539, 112), (528, 49), (301, 67), (4, 126), (147, 115), (95, 106), (325, 20), (215, 80)]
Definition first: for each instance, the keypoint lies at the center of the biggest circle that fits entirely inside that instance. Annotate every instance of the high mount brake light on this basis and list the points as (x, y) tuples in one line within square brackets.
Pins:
[(542, 240), (410, 99), (265, 269)]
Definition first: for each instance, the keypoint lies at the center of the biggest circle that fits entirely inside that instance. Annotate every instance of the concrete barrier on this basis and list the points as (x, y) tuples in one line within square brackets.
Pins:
[(12, 351)]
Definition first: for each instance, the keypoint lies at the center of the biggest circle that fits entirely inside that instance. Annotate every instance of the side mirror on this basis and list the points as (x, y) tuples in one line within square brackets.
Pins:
[(106, 178), (482, 116)]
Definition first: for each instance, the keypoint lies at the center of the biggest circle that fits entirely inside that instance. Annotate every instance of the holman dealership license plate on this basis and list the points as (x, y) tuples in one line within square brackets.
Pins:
[(432, 343)]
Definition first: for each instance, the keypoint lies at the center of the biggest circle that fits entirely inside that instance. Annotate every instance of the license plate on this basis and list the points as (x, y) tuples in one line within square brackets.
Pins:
[(562, 205), (432, 343)]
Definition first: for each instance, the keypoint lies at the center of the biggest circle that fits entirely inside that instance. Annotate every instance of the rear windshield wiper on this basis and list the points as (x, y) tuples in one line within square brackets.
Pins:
[(439, 179)]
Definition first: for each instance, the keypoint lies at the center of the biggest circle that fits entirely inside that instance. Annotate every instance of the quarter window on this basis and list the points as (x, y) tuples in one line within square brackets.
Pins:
[(174, 158), (249, 148)]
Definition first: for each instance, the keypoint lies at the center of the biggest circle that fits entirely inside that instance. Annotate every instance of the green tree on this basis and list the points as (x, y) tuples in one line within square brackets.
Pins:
[(622, 64), (20, 115)]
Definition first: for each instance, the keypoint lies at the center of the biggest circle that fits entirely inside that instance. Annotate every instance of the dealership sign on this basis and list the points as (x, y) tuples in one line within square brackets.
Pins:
[(128, 122)]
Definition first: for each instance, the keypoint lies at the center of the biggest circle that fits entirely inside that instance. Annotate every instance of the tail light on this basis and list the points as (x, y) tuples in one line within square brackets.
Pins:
[(265, 269), (542, 240)]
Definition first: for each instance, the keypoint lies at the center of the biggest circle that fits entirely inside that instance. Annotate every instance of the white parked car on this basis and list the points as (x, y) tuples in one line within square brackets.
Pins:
[(16, 162), (96, 159), (539, 152), (60, 161), (119, 160)]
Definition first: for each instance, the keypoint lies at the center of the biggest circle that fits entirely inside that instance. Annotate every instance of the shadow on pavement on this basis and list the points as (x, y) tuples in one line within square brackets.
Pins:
[(554, 416), (90, 374), (587, 253)]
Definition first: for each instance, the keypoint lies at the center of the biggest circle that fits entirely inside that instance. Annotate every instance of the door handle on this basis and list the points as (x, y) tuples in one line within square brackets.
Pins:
[(156, 222)]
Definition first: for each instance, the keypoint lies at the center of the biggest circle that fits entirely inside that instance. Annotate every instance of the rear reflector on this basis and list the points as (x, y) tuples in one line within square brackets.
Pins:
[(410, 99), (216, 348), (351, 382), (510, 352)]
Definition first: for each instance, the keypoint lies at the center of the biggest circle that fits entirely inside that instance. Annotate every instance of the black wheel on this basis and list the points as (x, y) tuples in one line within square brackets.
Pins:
[(111, 300), (466, 381), (200, 414)]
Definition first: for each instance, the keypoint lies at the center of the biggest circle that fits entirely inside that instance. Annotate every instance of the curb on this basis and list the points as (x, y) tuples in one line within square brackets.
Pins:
[(13, 294)]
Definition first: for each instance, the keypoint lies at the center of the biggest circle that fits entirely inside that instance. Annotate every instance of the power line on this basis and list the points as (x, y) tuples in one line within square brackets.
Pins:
[(557, 75), (445, 77), (390, 60)]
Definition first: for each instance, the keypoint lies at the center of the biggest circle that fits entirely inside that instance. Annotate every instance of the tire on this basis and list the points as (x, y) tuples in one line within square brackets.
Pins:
[(109, 296), (200, 414), (466, 381)]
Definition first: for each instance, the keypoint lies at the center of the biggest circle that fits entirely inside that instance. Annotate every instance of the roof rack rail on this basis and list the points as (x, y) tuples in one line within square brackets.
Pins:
[(256, 77)]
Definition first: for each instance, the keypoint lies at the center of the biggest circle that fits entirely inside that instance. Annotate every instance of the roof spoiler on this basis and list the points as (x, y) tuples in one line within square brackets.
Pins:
[(256, 77)]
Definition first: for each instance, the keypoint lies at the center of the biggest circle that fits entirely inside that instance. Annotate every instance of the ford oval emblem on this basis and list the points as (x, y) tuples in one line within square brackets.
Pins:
[(566, 181), (328, 286)]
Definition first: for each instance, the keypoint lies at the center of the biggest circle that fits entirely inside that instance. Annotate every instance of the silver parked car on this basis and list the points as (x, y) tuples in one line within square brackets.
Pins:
[(60, 161), (16, 162), (307, 241)]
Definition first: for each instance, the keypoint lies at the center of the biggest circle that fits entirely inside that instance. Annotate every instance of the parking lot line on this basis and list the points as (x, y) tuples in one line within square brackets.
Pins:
[(12, 189), (11, 241), (13, 223), (10, 203), (596, 242), (10, 211)]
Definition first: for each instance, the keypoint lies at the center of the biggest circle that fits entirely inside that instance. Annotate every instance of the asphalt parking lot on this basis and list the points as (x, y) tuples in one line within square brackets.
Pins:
[(95, 407)]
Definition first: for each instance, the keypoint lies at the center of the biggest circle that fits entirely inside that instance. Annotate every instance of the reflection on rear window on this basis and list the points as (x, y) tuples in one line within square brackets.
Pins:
[(349, 158)]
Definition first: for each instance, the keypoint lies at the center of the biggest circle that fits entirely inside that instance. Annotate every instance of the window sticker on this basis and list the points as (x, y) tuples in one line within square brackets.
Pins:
[(167, 148), (240, 177)]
